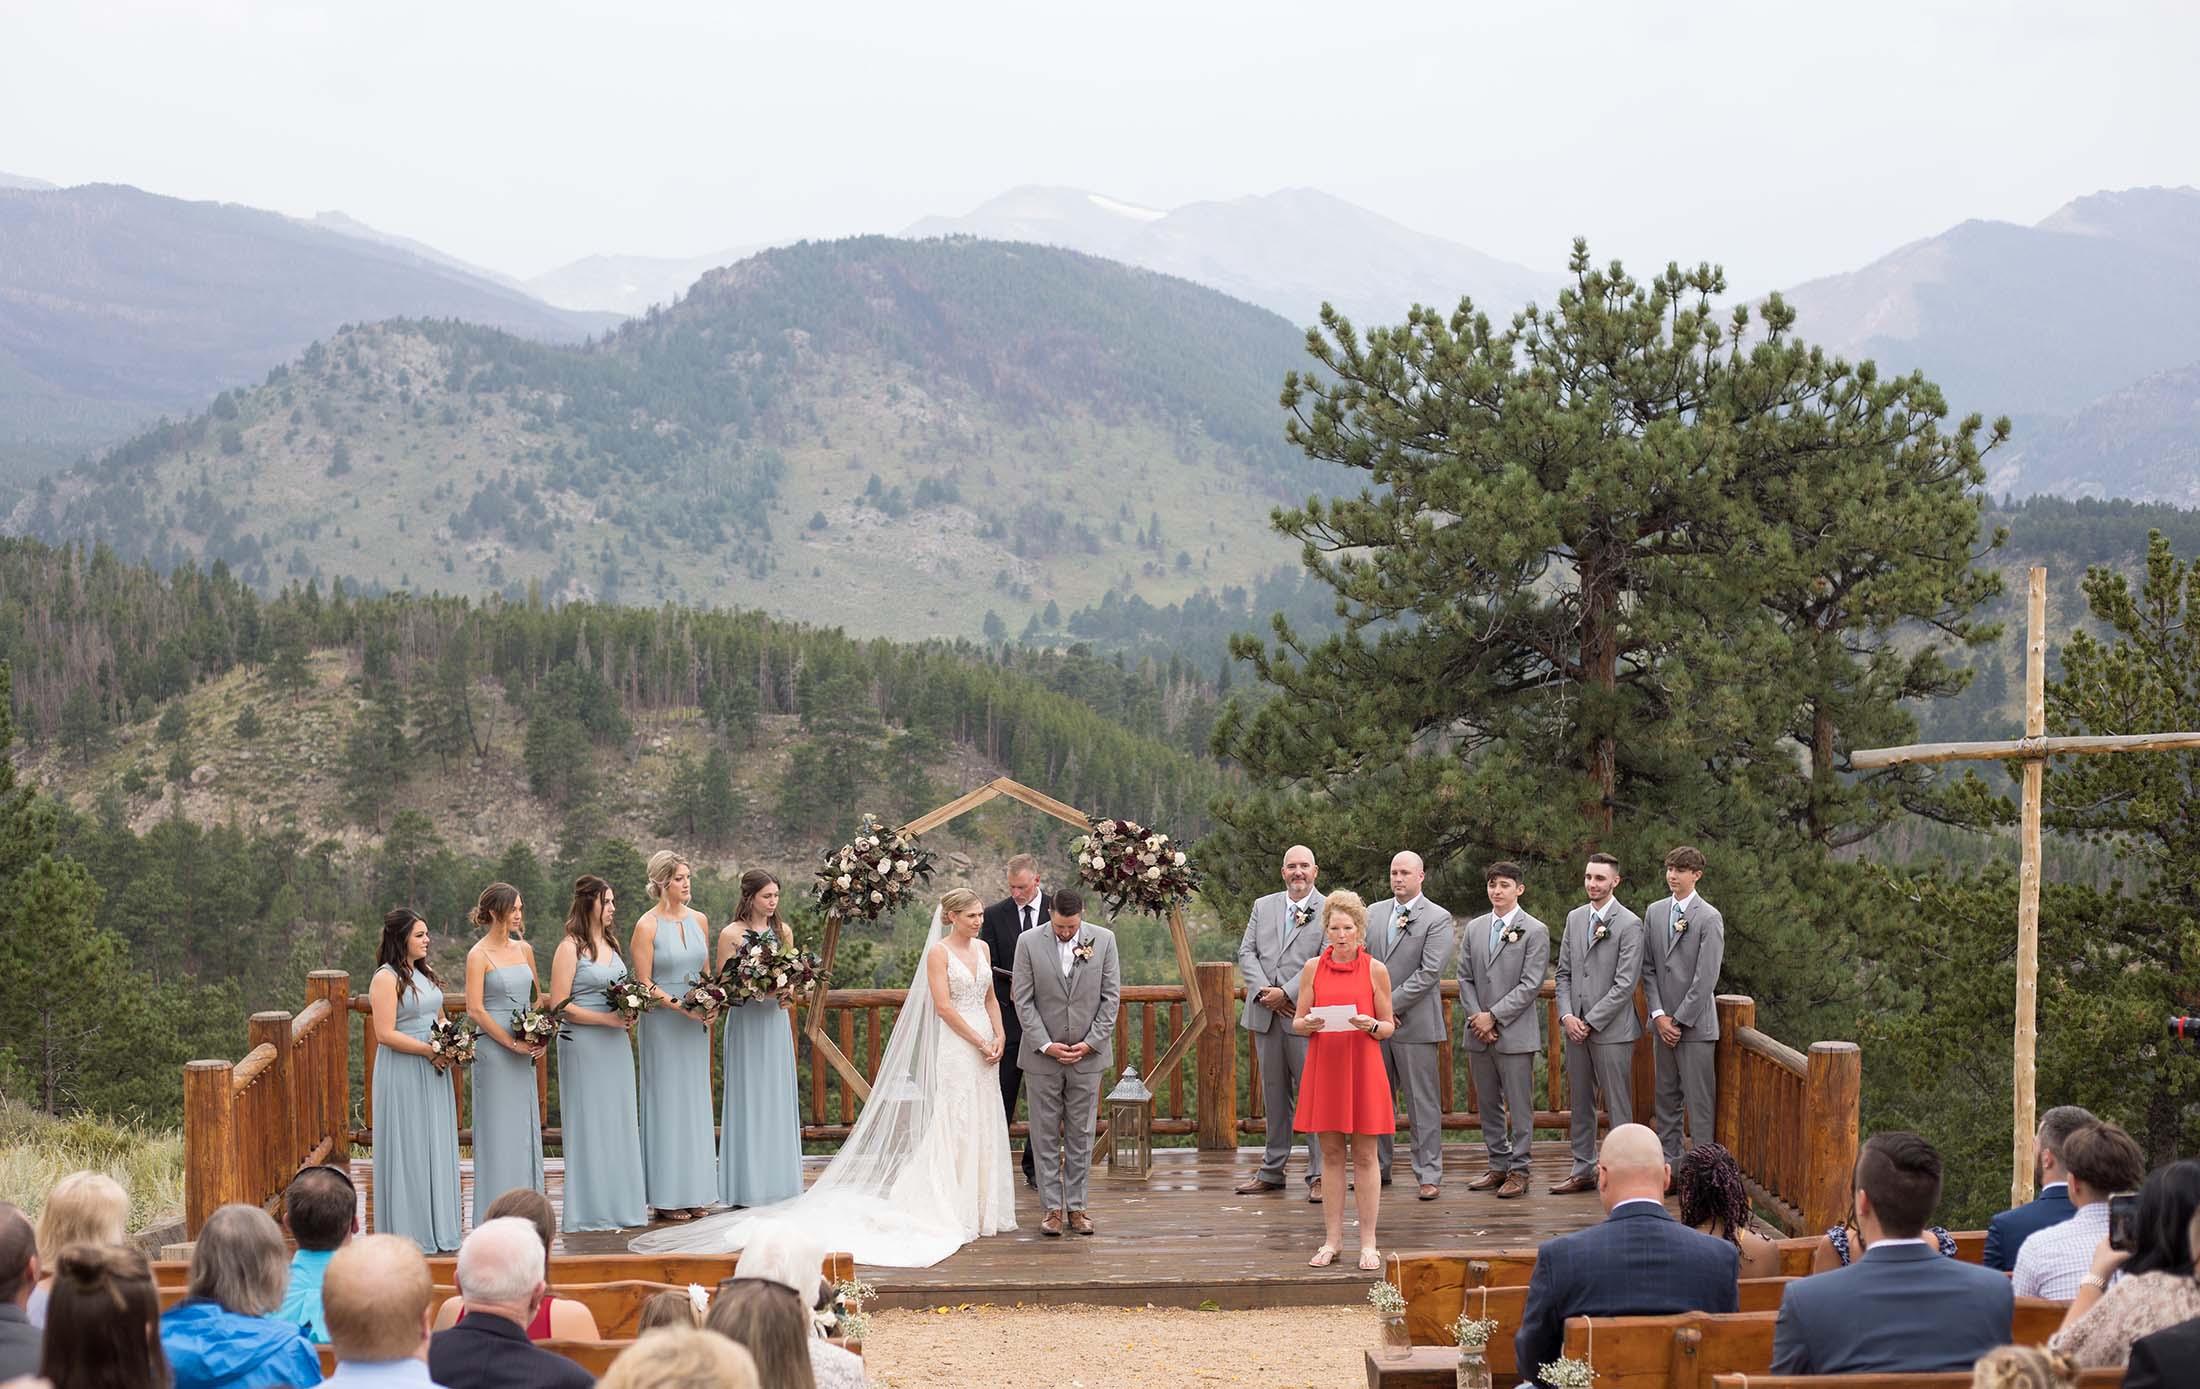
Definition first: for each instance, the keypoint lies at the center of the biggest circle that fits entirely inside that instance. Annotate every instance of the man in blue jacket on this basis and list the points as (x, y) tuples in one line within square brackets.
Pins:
[(1903, 1308), (2007, 1232), (1639, 1262)]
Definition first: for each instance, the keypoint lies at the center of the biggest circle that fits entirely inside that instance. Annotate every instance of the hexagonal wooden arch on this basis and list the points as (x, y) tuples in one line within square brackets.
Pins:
[(1179, 935)]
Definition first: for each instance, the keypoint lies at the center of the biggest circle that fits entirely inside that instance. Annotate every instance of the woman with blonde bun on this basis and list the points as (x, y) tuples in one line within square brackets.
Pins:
[(670, 945)]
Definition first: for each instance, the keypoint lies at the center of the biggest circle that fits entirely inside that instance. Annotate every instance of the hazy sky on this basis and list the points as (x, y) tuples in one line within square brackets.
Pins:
[(1783, 140)]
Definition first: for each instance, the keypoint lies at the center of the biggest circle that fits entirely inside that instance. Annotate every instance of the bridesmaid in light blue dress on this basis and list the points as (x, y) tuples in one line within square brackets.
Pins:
[(603, 1149), (760, 1153), (500, 979), (415, 1111), (671, 946)]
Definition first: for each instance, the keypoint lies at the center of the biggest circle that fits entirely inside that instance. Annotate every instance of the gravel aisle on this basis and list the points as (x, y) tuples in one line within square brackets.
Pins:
[(1117, 1347)]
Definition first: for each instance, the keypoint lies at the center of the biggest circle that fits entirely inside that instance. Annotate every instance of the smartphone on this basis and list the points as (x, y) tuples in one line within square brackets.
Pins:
[(2122, 1211)]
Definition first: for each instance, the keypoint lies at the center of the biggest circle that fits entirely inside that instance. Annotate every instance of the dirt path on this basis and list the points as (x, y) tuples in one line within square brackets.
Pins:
[(1117, 1347)]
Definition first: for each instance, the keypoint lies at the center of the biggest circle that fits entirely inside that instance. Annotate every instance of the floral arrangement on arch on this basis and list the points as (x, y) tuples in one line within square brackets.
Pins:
[(873, 873), (1132, 866)]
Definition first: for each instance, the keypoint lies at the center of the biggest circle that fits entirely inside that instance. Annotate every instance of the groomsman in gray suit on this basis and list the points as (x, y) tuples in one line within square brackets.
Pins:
[(1282, 934), (1685, 942), (1067, 982), (1502, 956), (1599, 965), (1413, 937)]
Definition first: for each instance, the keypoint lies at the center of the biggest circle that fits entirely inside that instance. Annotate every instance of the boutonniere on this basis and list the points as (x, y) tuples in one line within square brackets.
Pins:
[(1680, 925), (1602, 933), (1082, 951), (1404, 922), (1513, 932)]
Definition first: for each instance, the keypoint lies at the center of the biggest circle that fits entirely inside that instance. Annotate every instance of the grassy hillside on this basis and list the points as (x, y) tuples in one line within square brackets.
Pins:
[(890, 436)]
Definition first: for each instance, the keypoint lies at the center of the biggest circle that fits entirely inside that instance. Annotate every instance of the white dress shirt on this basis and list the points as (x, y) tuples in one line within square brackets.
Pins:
[(1063, 953)]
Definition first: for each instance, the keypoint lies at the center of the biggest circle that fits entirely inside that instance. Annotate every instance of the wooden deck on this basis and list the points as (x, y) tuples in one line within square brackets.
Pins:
[(1184, 1238)]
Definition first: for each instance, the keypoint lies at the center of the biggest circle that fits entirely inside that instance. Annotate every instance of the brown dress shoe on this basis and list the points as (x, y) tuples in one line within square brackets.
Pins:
[(1516, 1184), (1488, 1181), (1080, 1223), (1571, 1185), (1427, 1192), (1254, 1186), (1314, 1191), (1052, 1225)]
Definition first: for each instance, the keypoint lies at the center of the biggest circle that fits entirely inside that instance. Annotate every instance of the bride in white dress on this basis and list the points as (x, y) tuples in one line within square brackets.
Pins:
[(926, 1169)]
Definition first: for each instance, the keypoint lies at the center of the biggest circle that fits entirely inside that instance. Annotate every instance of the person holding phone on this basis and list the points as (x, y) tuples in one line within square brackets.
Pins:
[(2147, 1254), (2100, 1160)]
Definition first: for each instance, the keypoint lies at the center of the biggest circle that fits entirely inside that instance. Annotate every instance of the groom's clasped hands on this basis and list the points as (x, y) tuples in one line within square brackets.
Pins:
[(1068, 1053)]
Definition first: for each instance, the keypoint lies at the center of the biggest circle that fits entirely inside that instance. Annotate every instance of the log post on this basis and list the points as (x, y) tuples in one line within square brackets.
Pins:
[(276, 1143), (209, 1140), (2024, 1109), (333, 1070), (1833, 1096), (1736, 1011), (1217, 1083)]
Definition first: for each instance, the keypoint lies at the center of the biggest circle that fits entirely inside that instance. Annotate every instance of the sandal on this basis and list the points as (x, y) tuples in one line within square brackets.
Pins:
[(674, 1215), (1371, 1260), (1323, 1257)]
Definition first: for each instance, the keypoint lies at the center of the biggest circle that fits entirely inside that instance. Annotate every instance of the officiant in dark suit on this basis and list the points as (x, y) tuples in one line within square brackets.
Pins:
[(1026, 906)]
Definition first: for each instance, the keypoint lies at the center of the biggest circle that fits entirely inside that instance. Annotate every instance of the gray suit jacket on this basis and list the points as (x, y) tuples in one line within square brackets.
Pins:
[(1596, 980), (1080, 1008), (1682, 976), (1263, 959), (1416, 958), (19, 1342), (1504, 984)]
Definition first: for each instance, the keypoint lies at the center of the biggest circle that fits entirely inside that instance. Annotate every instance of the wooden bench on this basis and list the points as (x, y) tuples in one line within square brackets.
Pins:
[(1953, 1379), (1430, 1312), (578, 1269), (592, 1356)]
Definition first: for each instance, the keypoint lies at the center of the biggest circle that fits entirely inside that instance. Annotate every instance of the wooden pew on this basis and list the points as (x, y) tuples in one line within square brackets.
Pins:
[(679, 1269), (1434, 1298), (592, 1356), (1954, 1379)]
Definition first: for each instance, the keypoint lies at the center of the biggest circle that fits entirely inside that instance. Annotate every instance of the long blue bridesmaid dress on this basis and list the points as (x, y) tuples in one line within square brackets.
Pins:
[(507, 1119), (679, 1166), (603, 1147), (760, 1150), (415, 1132)]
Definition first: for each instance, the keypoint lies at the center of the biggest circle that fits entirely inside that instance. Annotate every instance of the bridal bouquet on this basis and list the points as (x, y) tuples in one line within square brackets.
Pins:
[(1132, 866), (873, 873), (451, 1041), (538, 1024), (629, 998)]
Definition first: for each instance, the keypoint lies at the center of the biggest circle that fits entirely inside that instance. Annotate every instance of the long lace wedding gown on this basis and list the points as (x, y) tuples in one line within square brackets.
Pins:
[(925, 1170)]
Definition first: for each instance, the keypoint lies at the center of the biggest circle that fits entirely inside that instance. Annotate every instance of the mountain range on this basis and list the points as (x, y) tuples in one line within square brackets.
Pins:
[(893, 436)]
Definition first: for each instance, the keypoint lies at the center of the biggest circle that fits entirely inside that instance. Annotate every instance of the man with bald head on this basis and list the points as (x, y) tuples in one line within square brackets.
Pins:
[(377, 1300), (1282, 934), (1640, 1262), (1413, 937)]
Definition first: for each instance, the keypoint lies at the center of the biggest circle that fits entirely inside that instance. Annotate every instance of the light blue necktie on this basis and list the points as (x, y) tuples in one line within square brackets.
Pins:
[(1292, 919), (1497, 925)]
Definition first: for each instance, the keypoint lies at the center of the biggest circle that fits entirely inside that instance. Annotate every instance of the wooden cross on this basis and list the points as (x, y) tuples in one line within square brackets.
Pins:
[(2033, 750)]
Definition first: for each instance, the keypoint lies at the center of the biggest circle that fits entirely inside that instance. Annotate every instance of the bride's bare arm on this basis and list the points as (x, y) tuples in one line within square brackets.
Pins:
[(998, 1043), (935, 975)]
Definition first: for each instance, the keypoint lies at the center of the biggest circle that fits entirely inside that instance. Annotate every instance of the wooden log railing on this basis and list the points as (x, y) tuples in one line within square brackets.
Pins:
[(1789, 1117)]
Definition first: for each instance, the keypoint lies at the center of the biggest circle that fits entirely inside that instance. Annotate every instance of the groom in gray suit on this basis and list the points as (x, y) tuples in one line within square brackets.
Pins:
[(1413, 937), (1684, 944), (1502, 956), (1066, 983), (1599, 965), (1282, 934)]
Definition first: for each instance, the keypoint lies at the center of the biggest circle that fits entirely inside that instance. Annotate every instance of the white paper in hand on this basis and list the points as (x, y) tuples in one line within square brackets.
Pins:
[(1335, 1017)]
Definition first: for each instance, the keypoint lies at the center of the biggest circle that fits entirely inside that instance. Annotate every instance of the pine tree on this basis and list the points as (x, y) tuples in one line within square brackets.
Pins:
[(249, 726), (83, 729), (290, 636), (175, 723), (723, 805)]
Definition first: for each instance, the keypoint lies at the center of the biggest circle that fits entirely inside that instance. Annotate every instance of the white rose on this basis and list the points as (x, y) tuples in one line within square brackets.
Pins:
[(878, 897), (901, 865), (1146, 858), (843, 882), (1153, 841), (1180, 860), (1153, 873)]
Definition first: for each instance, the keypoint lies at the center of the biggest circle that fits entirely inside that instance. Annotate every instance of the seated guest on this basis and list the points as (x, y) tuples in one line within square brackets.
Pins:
[(2154, 1287), (783, 1253), (681, 1357), (671, 1308), (103, 1322), (225, 1334), (500, 1270), (81, 1208), (1716, 1203), (1839, 1246), (2156, 1360), (321, 1212), (376, 1292), (2100, 1161), (766, 1318), (1901, 1308), (1639, 1262), (2023, 1367), (18, 1275), (2007, 1232), (559, 1318)]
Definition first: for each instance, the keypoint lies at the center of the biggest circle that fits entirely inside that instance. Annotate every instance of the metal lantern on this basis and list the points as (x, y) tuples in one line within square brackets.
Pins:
[(1130, 1127)]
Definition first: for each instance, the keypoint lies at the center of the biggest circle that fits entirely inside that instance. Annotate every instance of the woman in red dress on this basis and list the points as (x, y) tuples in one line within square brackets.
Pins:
[(1344, 1093)]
